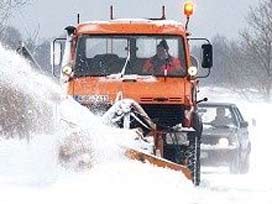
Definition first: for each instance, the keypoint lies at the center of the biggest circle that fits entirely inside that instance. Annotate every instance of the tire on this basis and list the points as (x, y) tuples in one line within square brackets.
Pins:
[(193, 150), (245, 165), (193, 158), (235, 165)]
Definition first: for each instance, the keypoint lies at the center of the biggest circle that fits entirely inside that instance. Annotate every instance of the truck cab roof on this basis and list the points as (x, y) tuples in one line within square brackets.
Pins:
[(131, 26)]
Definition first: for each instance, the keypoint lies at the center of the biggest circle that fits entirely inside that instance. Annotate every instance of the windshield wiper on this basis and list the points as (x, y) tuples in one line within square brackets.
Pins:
[(127, 61)]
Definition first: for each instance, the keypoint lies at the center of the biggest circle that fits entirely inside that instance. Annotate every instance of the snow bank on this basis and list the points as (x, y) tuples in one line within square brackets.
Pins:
[(27, 98)]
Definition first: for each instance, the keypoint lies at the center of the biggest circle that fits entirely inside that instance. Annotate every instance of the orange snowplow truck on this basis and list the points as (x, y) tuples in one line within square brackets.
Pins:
[(140, 74)]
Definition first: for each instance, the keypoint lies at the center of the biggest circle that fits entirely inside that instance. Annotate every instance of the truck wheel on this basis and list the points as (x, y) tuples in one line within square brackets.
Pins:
[(194, 150), (193, 158)]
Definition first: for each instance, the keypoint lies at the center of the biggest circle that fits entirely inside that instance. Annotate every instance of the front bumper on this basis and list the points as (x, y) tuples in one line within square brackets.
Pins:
[(217, 156)]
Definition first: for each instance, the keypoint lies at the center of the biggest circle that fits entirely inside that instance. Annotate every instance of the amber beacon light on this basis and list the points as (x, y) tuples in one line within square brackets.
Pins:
[(188, 8)]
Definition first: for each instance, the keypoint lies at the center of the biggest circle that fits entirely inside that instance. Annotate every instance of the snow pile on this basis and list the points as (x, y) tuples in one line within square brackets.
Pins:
[(28, 163), (27, 112), (27, 98), (33, 106)]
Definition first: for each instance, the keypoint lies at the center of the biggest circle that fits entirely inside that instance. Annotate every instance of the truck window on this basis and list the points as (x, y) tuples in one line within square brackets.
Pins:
[(98, 55), (99, 46), (147, 47)]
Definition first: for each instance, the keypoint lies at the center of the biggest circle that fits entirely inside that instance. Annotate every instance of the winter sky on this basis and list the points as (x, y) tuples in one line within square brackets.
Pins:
[(211, 16)]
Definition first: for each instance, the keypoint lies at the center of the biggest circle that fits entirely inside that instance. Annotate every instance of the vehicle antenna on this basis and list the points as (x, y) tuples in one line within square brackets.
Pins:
[(111, 12), (78, 18), (163, 13)]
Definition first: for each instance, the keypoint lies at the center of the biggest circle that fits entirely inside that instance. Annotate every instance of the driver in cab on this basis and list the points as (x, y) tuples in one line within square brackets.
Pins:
[(163, 63), (221, 119)]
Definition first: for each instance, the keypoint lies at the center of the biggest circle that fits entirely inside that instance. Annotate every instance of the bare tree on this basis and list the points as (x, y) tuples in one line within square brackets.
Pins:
[(257, 45), (6, 9), (11, 38), (42, 55), (32, 39), (227, 70)]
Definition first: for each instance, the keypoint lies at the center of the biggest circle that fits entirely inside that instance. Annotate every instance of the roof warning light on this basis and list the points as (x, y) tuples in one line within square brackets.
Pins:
[(188, 8)]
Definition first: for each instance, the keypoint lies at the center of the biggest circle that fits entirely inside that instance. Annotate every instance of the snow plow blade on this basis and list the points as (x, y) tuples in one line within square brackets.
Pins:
[(157, 161)]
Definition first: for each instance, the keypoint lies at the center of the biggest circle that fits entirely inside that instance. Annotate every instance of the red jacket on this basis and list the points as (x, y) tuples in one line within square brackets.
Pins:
[(155, 65)]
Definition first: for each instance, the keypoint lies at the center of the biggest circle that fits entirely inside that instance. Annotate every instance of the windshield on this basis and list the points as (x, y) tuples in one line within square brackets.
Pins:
[(141, 55), (216, 116)]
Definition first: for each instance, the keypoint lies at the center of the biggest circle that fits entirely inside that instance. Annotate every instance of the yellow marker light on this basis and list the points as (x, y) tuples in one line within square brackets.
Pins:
[(188, 8), (67, 70), (192, 71)]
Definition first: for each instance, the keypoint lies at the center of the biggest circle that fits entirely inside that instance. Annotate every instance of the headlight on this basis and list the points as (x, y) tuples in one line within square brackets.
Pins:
[(192, 71), (67, 70), (223, 142)]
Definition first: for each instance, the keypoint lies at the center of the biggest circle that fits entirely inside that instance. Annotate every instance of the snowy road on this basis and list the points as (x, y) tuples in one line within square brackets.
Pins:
[(29, 172)]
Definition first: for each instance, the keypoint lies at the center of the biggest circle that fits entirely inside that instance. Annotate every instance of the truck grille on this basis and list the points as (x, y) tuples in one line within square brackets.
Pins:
[(161, 99), (209, 139), (164, 114)]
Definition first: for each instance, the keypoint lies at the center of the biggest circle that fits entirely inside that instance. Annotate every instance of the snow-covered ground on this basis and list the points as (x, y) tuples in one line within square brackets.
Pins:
[(30, 173)]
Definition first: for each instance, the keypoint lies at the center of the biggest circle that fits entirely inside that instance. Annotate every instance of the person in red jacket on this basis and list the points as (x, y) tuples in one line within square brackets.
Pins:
[(162, 63)]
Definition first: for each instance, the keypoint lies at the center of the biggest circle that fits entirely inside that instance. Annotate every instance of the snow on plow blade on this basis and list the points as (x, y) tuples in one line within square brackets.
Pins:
[(157, 161), (126, 110)]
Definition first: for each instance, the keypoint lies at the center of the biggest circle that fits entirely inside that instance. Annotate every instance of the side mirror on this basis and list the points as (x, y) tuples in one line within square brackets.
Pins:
[(207, 57), (56, 54), (244, 124)]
